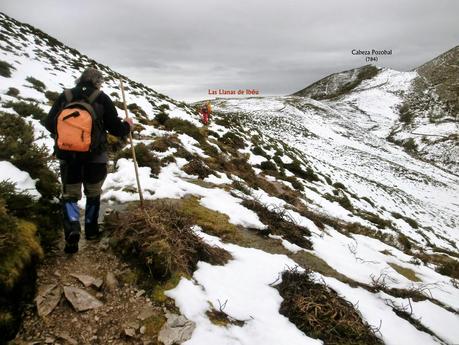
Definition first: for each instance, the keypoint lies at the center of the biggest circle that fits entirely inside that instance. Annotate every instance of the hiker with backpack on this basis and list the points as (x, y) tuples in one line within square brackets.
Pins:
[(205, 113), (79, 121)]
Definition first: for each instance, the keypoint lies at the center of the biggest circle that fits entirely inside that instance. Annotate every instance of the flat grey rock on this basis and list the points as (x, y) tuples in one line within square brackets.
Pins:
[(87, 280), (48, 298), (80, 299), (176, 330)]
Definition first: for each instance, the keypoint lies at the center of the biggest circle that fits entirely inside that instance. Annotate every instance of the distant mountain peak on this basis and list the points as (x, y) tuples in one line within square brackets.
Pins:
[(338, 83)]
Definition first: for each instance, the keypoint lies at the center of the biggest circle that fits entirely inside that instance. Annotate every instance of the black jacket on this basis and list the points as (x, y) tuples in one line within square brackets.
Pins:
[(104, 107)]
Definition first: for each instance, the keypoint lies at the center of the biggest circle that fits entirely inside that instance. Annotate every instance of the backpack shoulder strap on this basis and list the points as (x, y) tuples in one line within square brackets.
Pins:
[(68, 95), (92, 97)]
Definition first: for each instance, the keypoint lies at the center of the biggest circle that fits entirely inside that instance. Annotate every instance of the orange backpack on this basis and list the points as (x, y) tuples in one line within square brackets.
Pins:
[(75, 123)]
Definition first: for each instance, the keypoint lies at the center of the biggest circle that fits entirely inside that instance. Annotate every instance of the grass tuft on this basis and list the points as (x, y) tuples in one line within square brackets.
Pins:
[(406, 272)]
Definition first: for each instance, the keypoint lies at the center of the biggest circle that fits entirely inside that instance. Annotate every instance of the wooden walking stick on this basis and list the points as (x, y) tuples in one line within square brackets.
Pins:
[(139, 189)]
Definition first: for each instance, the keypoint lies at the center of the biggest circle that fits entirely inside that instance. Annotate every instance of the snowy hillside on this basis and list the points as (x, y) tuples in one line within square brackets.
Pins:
[(424, 121), (276, 183), (429, 115)]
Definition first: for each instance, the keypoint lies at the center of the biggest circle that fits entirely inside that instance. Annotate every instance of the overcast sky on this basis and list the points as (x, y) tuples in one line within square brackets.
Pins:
[(184, 47)]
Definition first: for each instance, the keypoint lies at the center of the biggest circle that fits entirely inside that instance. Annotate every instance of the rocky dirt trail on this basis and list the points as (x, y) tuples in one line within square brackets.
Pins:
[(88, 298)]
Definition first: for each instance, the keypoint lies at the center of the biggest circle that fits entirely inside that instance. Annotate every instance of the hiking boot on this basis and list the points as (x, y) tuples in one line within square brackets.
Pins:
[(91, 231), (91, 216), (73, 237), (71, 248), (71, 214), (71, 242)]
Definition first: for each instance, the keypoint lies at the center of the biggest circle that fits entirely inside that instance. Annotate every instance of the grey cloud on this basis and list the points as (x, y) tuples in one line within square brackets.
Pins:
[(183, 47)]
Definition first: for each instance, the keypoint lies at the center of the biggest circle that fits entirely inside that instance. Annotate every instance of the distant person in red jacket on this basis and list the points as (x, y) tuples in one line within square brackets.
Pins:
[(205, 112)]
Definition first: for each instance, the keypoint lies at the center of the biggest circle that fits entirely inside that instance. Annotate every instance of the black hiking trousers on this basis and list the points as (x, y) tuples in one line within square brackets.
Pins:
[(74, 174)]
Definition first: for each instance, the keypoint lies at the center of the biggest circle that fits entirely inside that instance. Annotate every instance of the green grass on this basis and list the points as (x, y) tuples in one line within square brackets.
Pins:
[(406, 272)]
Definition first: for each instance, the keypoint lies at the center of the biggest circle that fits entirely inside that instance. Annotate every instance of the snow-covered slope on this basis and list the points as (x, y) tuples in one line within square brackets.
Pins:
[(429, 115), (424, 120), (377, 225)]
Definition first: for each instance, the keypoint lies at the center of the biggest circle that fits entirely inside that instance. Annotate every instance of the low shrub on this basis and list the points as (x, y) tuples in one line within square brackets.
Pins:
[(25, 154), (45, 214), (406, 115), (13, 92), (196, 167), (368, 201), (25, 109), (233, 140), (310, 175), (26, 225), (339, 185), (295, 183), (5, 69), (162, 144), (162, 117), (137, 110), (115, 144), (257, 150), (410, 145), (167, 160), (52, 96), (209, 149), (375, 219), (297, 169), (320, 312), (164, 107), (214, 134), (19, 253), (119, 104), (414, 224), (160, 238), (183, 153), (37, 84), (144, 158), (186, 127), (341, 199), (268, 166), (279, 224), (449, 268)]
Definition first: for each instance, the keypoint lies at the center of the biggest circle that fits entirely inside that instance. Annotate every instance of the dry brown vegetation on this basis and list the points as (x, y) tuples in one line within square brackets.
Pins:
[(279, 224), (196, 167), (161, 240), (320, 312)]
